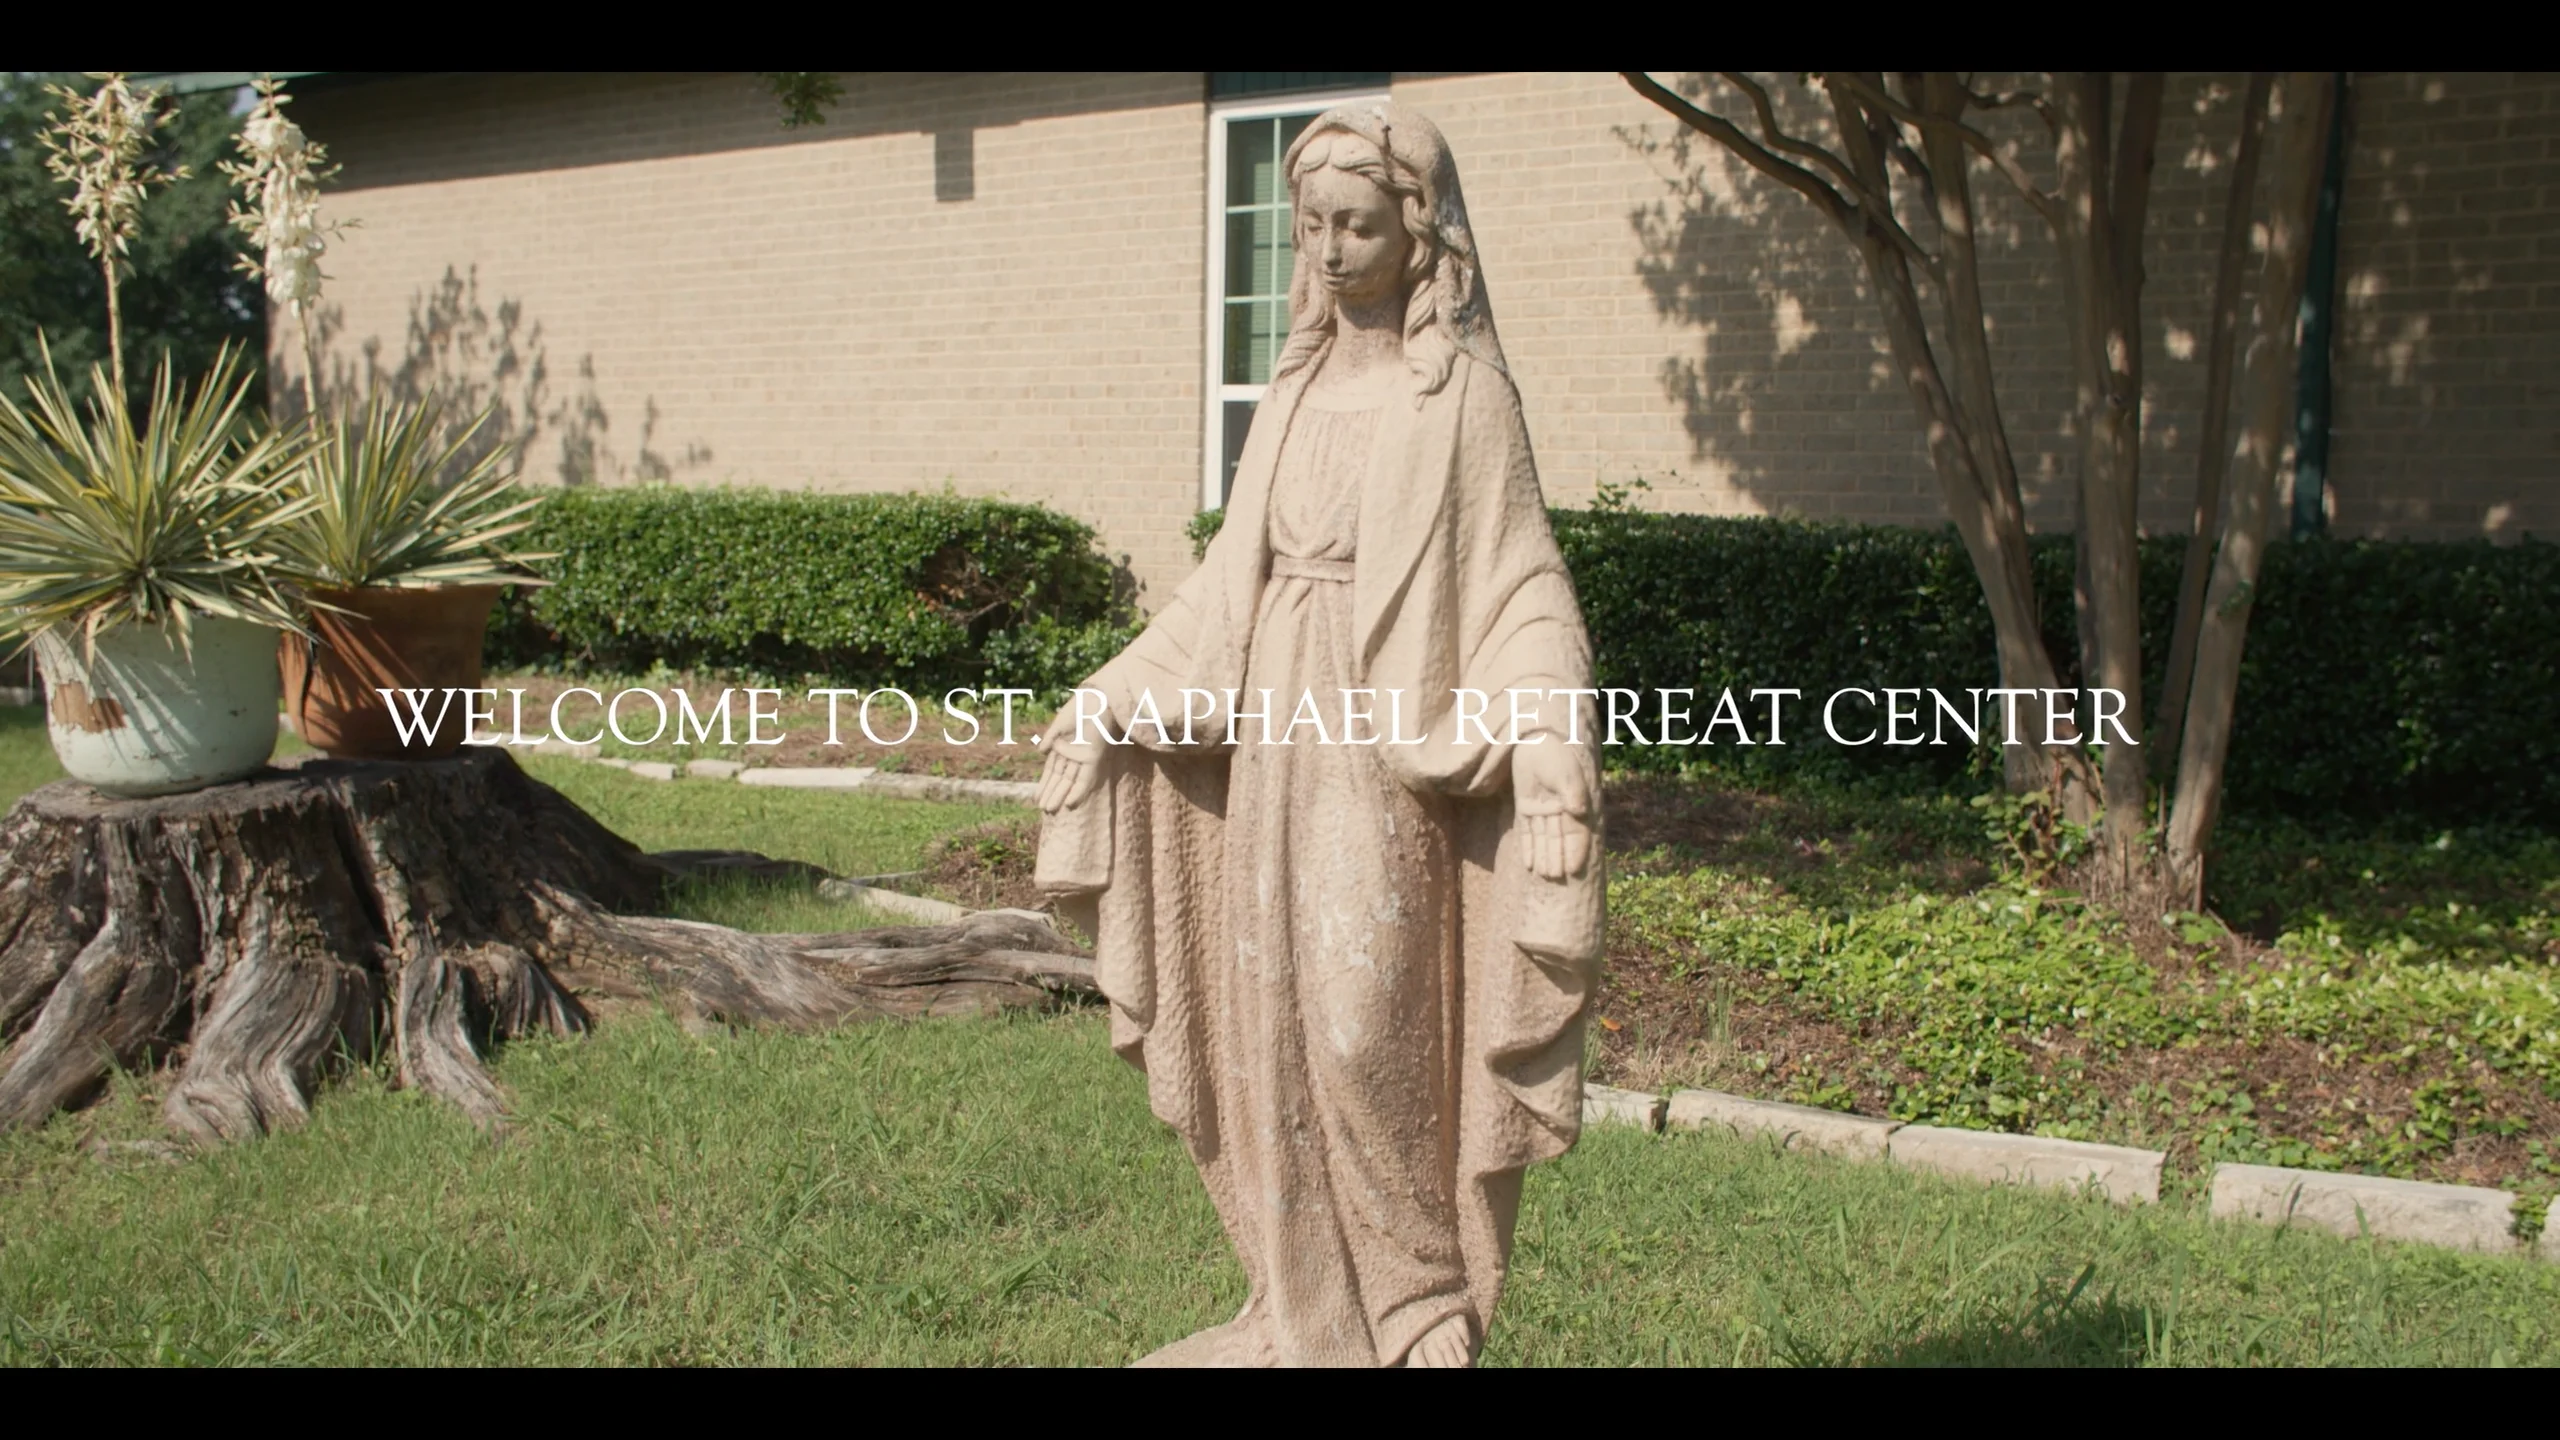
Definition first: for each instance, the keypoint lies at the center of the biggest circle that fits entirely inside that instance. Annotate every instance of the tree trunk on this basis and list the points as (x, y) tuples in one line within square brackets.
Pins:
[(1967, 443), (2101, 218), (2001, 563), (2299, 120), (263, 932), (2213, 437)]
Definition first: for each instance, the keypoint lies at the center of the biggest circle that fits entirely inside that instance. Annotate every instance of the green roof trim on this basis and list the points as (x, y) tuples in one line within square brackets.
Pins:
[(1241, 84), (196, 82)]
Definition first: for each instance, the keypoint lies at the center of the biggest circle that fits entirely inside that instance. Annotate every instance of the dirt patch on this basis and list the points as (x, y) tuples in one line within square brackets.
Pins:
[(987, 867)]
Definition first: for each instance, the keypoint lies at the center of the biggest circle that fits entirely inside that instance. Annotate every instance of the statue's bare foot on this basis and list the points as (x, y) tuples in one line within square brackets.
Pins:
[(1445, 1346)]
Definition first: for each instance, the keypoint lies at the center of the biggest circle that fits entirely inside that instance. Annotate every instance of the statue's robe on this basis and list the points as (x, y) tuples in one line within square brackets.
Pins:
[(1457, 583)]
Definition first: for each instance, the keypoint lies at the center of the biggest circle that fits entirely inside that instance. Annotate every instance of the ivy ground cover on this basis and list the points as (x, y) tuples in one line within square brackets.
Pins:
[(2386, 1002)]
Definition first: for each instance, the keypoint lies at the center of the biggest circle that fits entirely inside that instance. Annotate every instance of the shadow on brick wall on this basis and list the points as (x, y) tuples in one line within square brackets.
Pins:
[(2441, 426), (481, 356), (1789, 392)]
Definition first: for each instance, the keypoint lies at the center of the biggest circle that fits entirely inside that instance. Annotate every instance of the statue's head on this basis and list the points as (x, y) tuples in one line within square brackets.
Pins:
[(1360, 222), (1374, 196)]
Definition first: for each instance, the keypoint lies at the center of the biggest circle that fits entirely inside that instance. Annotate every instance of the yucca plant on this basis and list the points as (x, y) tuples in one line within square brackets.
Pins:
[(106, 521), (279, 174), (381, 502), (96, 144)]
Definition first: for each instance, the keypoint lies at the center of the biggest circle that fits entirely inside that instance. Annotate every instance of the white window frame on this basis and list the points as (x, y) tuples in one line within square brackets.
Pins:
[(1214, 389)]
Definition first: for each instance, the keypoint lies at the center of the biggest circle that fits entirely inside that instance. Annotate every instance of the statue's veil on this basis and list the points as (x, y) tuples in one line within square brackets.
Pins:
[(1450, 312)]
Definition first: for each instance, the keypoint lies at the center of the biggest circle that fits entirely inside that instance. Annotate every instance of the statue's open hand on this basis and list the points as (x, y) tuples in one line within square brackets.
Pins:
[(1071, 769), (1551, 792)]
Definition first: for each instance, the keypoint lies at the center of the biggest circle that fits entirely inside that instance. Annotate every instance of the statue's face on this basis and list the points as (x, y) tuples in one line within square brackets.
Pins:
[(1353, 230)]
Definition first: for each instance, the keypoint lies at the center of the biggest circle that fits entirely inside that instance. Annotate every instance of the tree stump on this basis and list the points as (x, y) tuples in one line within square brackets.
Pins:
[(257, 934)]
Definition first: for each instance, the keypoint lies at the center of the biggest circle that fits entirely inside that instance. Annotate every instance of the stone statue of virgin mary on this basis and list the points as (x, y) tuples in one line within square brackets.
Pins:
[(1353, 958)]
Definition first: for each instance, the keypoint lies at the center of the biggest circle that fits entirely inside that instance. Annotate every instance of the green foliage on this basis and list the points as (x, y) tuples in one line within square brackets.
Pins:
[(182, 291), (1693, 601), (2392, 677), (392, 503), (909, 589), (106, 520), (1967, 985), (2437, 960), (2381, 677), (2031, 835), (1202, 529), (804, 95), (1050, 655)]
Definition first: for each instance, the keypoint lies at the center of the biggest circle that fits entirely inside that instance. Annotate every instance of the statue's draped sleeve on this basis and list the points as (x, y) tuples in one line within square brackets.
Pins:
[(1458, 585)]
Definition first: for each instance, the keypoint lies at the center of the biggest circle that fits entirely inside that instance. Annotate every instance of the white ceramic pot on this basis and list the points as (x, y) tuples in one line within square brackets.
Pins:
[(139, 716)]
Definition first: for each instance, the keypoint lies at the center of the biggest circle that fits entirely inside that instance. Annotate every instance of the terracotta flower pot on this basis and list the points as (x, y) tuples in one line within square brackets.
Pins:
[(397, 639)]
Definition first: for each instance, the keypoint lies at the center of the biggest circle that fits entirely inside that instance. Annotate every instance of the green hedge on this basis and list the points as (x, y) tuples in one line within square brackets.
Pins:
[(915, 589), (2381, 677)]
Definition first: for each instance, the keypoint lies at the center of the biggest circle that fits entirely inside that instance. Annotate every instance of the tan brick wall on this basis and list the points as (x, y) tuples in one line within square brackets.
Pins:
[(1683, 319), (2448, 366), (686, 290), (710, 298)]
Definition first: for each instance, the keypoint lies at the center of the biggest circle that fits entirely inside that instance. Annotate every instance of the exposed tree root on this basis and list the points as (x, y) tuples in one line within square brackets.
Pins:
[(261, 932)]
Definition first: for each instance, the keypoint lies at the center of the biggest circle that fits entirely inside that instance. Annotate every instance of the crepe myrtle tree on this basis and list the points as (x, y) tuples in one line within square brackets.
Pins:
[(1917, 130)]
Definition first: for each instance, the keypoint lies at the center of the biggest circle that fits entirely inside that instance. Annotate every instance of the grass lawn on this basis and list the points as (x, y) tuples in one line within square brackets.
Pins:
[(848, 834), (996, 1192)]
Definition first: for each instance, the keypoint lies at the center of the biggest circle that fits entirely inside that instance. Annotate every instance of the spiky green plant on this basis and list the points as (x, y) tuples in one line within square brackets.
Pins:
[(384, 503), (105, 521)]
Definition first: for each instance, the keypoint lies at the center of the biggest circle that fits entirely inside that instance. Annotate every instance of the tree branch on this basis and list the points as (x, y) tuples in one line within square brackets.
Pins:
[(2137, 152), (2010, 99), (1875, 182), (1834, 206), (1981, 144), (1860, 207), (1778, 139), (2213, 449)]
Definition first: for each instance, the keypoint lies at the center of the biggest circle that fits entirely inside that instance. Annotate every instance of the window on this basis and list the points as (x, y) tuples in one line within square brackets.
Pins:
[(1250, 258)]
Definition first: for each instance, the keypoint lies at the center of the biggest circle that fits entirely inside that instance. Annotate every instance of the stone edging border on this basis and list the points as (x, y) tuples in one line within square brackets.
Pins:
[(2460, 1217), (840, 778)]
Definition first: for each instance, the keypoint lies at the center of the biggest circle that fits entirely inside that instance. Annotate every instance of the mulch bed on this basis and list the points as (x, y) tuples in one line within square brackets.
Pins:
[(1693, 1019)]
